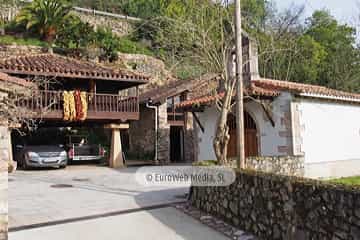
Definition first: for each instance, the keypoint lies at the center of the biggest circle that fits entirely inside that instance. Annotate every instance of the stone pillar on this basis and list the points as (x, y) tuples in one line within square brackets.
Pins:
[(163, 136), (116, 157), (189, 138), (4, 163)]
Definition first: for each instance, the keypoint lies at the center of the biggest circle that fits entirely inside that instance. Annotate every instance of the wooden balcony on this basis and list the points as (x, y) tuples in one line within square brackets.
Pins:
[(48, 105)]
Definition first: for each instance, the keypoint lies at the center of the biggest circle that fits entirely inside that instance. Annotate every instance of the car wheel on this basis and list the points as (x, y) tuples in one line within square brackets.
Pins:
[(62, 167)]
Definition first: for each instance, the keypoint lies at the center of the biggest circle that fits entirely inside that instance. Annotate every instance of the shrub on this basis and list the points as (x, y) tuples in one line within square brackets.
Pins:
[(127, 45), (9, 40), (205, 163), (108, 42)]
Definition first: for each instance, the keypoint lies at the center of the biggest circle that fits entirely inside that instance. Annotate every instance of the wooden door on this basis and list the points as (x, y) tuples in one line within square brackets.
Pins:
[(251, 141)]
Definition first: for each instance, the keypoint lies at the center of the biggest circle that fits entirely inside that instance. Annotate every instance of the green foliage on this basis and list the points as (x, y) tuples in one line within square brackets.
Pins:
[(142, 8), (74, 34), (107, 42), (126, 45), (353, 181), (308, 58), (322, 52), (44, 17), (9, 40), (340, 68), (205, 163), (114, 6)]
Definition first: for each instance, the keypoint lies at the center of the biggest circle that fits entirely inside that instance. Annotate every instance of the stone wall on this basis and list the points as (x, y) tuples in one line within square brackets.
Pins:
[(150, 66), (281, 207), (163, 136), (142, 135), (284, 165), (17, 50), (4, 158), (120, 27), (190, 139)]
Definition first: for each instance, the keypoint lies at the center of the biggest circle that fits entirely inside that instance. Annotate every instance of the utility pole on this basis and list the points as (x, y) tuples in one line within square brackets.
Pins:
[(239, 90)]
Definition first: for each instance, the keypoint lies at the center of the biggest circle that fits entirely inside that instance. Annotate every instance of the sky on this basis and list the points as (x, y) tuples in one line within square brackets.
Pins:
[(345, 11)]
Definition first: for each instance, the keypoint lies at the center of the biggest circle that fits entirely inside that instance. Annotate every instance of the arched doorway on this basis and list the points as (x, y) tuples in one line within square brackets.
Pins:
[(251, 140)]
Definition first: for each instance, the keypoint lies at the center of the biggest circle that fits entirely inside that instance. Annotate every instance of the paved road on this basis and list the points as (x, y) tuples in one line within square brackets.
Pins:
[(160, 224), (95, 190)]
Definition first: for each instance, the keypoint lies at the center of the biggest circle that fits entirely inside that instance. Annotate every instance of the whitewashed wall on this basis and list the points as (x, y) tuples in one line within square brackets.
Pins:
[(269, 137), (330, 133)]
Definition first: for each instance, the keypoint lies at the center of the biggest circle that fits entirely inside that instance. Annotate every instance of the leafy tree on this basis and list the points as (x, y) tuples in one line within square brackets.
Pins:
[(74, 34), (340, 68), (308, 58), (44, 17), (107, 42)]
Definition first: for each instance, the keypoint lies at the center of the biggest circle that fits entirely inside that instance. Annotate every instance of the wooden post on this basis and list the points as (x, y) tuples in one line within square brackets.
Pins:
[(116, 154), (239, 90), (93, 92)]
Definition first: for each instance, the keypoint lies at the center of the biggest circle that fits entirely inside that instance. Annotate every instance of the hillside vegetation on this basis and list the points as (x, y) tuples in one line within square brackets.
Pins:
[(319, 50)]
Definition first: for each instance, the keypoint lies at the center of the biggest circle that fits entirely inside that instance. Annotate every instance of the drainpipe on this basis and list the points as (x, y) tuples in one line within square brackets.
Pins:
[(150, 105)]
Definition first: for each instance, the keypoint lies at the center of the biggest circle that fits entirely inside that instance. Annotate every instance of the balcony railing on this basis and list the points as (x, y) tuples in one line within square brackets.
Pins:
[(49, 105)]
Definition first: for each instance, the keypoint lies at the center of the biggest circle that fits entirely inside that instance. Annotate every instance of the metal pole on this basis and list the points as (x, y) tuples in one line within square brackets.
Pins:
[(239, 90)]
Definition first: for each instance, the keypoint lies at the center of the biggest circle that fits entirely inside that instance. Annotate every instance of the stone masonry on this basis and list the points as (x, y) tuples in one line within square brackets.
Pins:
[(18, 50), (4, 158), (283, 165), (120, 27), (141, 134), (280, 207), (190, 143), (163, 136)]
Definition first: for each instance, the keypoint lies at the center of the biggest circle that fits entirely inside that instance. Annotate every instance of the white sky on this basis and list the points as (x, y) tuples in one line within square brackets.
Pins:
[(344, 10)]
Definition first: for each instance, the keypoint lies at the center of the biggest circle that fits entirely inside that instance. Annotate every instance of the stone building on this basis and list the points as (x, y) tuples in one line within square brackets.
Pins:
[(163, 133)]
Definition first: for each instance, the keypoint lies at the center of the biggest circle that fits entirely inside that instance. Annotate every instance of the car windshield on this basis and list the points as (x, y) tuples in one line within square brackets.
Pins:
[(80, 140)]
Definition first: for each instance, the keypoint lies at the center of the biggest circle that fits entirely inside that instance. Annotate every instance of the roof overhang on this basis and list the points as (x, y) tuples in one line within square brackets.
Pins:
[(327, 97), (56, 66)]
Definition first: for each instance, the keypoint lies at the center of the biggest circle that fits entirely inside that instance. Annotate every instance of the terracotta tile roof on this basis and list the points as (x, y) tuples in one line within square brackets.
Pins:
[(14, 80), (273, 88), (59, 66), (300, 88), (173, 88)]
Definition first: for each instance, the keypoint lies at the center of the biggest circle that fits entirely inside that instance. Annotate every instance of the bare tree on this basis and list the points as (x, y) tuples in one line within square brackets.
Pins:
[(207, 38), (14, 103)]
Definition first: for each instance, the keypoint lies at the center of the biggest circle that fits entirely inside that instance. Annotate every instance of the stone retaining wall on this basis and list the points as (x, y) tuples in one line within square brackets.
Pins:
[(281, 207), (120, 27), (283, 165), (19, 50)]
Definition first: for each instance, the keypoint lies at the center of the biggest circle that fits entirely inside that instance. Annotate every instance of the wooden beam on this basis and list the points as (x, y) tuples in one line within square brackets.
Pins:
[(268, 114), (198, 121), (117, 126)]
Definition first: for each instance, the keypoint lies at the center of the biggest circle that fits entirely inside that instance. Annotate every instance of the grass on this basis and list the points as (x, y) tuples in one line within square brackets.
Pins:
[(348, 180), (205, 163), (9, 40)]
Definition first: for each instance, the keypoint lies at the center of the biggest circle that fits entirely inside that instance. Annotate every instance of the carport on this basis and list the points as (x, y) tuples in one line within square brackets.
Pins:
[(111, 96)]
